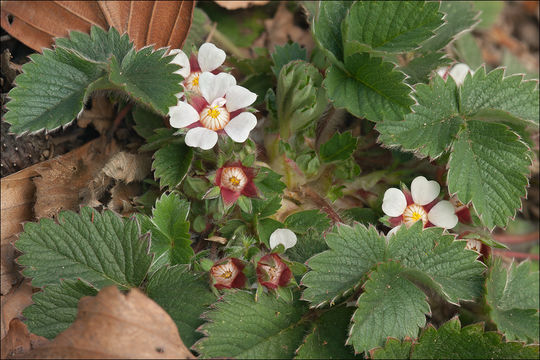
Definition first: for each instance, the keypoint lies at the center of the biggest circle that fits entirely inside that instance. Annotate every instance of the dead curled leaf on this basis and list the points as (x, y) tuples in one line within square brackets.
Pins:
[(234, 5), (14, 303), (159, 23), (112, 325), (19, 341)]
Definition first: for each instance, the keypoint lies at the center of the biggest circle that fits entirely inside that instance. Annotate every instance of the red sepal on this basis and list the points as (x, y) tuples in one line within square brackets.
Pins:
[(283, 273)]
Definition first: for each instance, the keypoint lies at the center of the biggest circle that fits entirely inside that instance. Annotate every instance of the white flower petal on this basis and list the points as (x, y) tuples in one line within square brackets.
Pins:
[(240, 126), (423, 191), (443, 215), (210, 57), (239, 97), (182, 60), (182, 115), (394, 202), (202, 138), (283, 236), (214, 86), (459, 72)]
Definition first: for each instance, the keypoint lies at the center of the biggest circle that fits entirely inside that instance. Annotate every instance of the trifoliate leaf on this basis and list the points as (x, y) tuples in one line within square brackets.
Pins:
[(148, 77), (390, 306), (326, 340), (451, 341), (282, 55), (488, 166), (307, 245), (434, 119), (513, 298), (369, 87), (240, 327), (99, 46), (327, 28), (459, 17), (55, 308), (302, 221), (169, 228), (102, 249), (419, 68), (338, 271), (389, 26), (184, 295), (339, 147), (265, 228), (268, 182), (447, 268), (171, 164), (50, 91)]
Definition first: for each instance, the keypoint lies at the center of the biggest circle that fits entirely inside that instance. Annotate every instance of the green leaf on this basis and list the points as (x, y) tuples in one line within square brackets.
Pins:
[(338, 271), (512, 296), (339, 147), (49, 92), (451, 341), (364, 216), (99, 46), (268, 182), (238, 327), (420, 68), (184, 295), (327, 27), (390, 306), (326, 340), (146, 122), (55, 308), (488, 166), (266, 207), (148, 77), (433, 119), (171, 164), (459, 17), (307, 245), (389, 26), (102, 249), (171, 241), (369, 88), (283, 55), (302, 221), (265, 228)]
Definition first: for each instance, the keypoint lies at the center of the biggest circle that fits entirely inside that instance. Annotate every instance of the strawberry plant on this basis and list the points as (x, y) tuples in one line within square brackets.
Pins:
[(248, 241)]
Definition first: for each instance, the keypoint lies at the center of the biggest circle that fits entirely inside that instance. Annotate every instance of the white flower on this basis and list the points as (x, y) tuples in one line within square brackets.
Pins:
[(458, 72), (215, 112), (421, 207), (283, 236), (473, 244), (209, 58)]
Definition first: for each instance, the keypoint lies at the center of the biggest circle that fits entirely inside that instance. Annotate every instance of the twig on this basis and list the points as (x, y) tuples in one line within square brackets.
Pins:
[(119, 117), (211, 33), (515, 254), (517, 239), (322, 204)]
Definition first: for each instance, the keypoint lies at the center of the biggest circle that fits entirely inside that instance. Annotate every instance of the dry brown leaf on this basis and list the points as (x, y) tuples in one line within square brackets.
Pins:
[(14, 303), (122, 196), (128, 167), (19, 341), (62, 179), (9, 274), (282, 29), (159, 23), (233, 5), (112, 325), (101, 114)]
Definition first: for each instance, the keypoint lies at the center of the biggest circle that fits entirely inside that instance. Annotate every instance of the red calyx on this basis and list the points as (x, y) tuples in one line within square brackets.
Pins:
[(229, 196), (227, 274), (273, 272)]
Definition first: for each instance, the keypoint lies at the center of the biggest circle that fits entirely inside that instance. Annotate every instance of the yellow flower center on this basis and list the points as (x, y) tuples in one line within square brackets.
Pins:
[(413, 213), (191, 83), (233, 178), (213, 112), (215, 117), (195, 81), (226, 275)]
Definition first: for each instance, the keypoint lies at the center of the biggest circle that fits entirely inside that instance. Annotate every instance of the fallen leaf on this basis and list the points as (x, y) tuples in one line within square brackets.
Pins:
[(101, 114), (114, 325), (17, 201), (282, 29), (233, 5), (158, 23), (14, 303), (19, 341), (122, 196), (62, 179), (9, 274), (128, 167)]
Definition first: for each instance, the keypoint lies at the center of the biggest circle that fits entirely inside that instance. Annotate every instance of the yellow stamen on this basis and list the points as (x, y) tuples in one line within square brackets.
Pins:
[(213, 112), (413, 213), (234, 181), (226, 275), (195, 81)]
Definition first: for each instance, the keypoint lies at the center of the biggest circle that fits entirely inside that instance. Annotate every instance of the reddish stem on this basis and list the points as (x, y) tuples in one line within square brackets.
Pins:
[(516, 239), (517, 255)]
